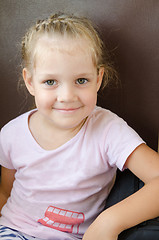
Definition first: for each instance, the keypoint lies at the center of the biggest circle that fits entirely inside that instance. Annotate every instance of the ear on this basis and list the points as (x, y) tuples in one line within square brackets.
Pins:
[(100, 78), (28, 81)]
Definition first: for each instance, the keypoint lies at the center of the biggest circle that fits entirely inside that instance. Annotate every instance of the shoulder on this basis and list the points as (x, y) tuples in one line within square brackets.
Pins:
[(11, 136), (104, 119), (107, 119), (14, 127), (111, 124), (113, 135), (102, 124)]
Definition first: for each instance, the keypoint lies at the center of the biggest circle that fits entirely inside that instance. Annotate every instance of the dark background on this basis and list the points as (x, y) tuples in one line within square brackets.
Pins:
[(130, 29)]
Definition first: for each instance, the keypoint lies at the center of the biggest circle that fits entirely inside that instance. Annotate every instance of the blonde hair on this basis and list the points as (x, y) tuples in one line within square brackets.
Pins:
[(69, 26)]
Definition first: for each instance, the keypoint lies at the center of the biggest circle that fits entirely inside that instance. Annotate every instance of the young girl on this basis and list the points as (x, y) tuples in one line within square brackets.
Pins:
[(60, 159)]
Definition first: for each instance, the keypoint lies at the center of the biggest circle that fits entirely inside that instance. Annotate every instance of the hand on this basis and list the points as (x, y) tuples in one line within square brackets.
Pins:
[(100, 230)]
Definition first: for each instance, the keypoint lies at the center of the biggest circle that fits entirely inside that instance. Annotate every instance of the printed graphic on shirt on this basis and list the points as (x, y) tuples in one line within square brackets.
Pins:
[(62, 219)]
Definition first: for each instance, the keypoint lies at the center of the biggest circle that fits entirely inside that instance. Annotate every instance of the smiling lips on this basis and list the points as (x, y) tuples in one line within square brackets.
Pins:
[(67, 110)]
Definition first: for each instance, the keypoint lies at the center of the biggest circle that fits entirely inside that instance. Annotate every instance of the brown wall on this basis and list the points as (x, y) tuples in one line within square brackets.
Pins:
[(129, 27)]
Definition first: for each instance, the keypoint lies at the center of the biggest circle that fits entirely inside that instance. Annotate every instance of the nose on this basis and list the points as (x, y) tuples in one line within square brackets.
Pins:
[(66, 93)]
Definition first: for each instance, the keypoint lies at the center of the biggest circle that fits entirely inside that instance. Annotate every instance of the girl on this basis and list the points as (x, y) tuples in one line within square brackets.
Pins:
[(60, 159)]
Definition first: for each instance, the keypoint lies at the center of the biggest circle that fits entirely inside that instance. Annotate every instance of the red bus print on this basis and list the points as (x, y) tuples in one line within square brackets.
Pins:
[(62, 219)]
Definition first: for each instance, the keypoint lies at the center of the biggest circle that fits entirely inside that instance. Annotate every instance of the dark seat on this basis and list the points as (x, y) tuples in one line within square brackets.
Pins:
[(125, 185)]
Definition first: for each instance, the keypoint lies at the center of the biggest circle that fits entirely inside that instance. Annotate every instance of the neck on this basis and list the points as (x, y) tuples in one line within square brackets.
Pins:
[(47, 135)]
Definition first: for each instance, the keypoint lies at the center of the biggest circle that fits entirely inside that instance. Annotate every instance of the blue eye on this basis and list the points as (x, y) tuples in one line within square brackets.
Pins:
[(81, 81), (50, 82)]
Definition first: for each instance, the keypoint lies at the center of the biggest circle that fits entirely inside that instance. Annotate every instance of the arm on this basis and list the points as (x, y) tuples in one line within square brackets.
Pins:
[(142, 205), (7, 179)]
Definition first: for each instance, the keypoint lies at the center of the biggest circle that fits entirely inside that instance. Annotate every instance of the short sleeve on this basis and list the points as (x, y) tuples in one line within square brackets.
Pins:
[(5, 160), (121, 140)]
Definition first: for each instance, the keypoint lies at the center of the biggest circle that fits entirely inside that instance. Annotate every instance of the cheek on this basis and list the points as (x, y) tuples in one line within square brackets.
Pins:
[(90, 98), (43, 99)]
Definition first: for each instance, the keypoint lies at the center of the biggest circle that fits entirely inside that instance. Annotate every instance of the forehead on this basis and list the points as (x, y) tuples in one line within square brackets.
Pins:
[(55, 55), (62, 44)]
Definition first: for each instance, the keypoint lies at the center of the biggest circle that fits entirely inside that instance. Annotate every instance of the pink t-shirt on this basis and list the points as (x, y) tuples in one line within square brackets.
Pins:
[(57, 194)]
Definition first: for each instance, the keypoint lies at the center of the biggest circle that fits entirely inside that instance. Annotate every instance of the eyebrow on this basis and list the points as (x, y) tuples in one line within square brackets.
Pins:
[(78, 75), (84, 74)]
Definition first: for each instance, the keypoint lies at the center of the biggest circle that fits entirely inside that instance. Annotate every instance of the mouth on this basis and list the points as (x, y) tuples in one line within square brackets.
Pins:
[(67, 110)]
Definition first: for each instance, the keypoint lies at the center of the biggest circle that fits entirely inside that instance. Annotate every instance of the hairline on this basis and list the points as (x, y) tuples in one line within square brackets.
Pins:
[(52, 36)]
